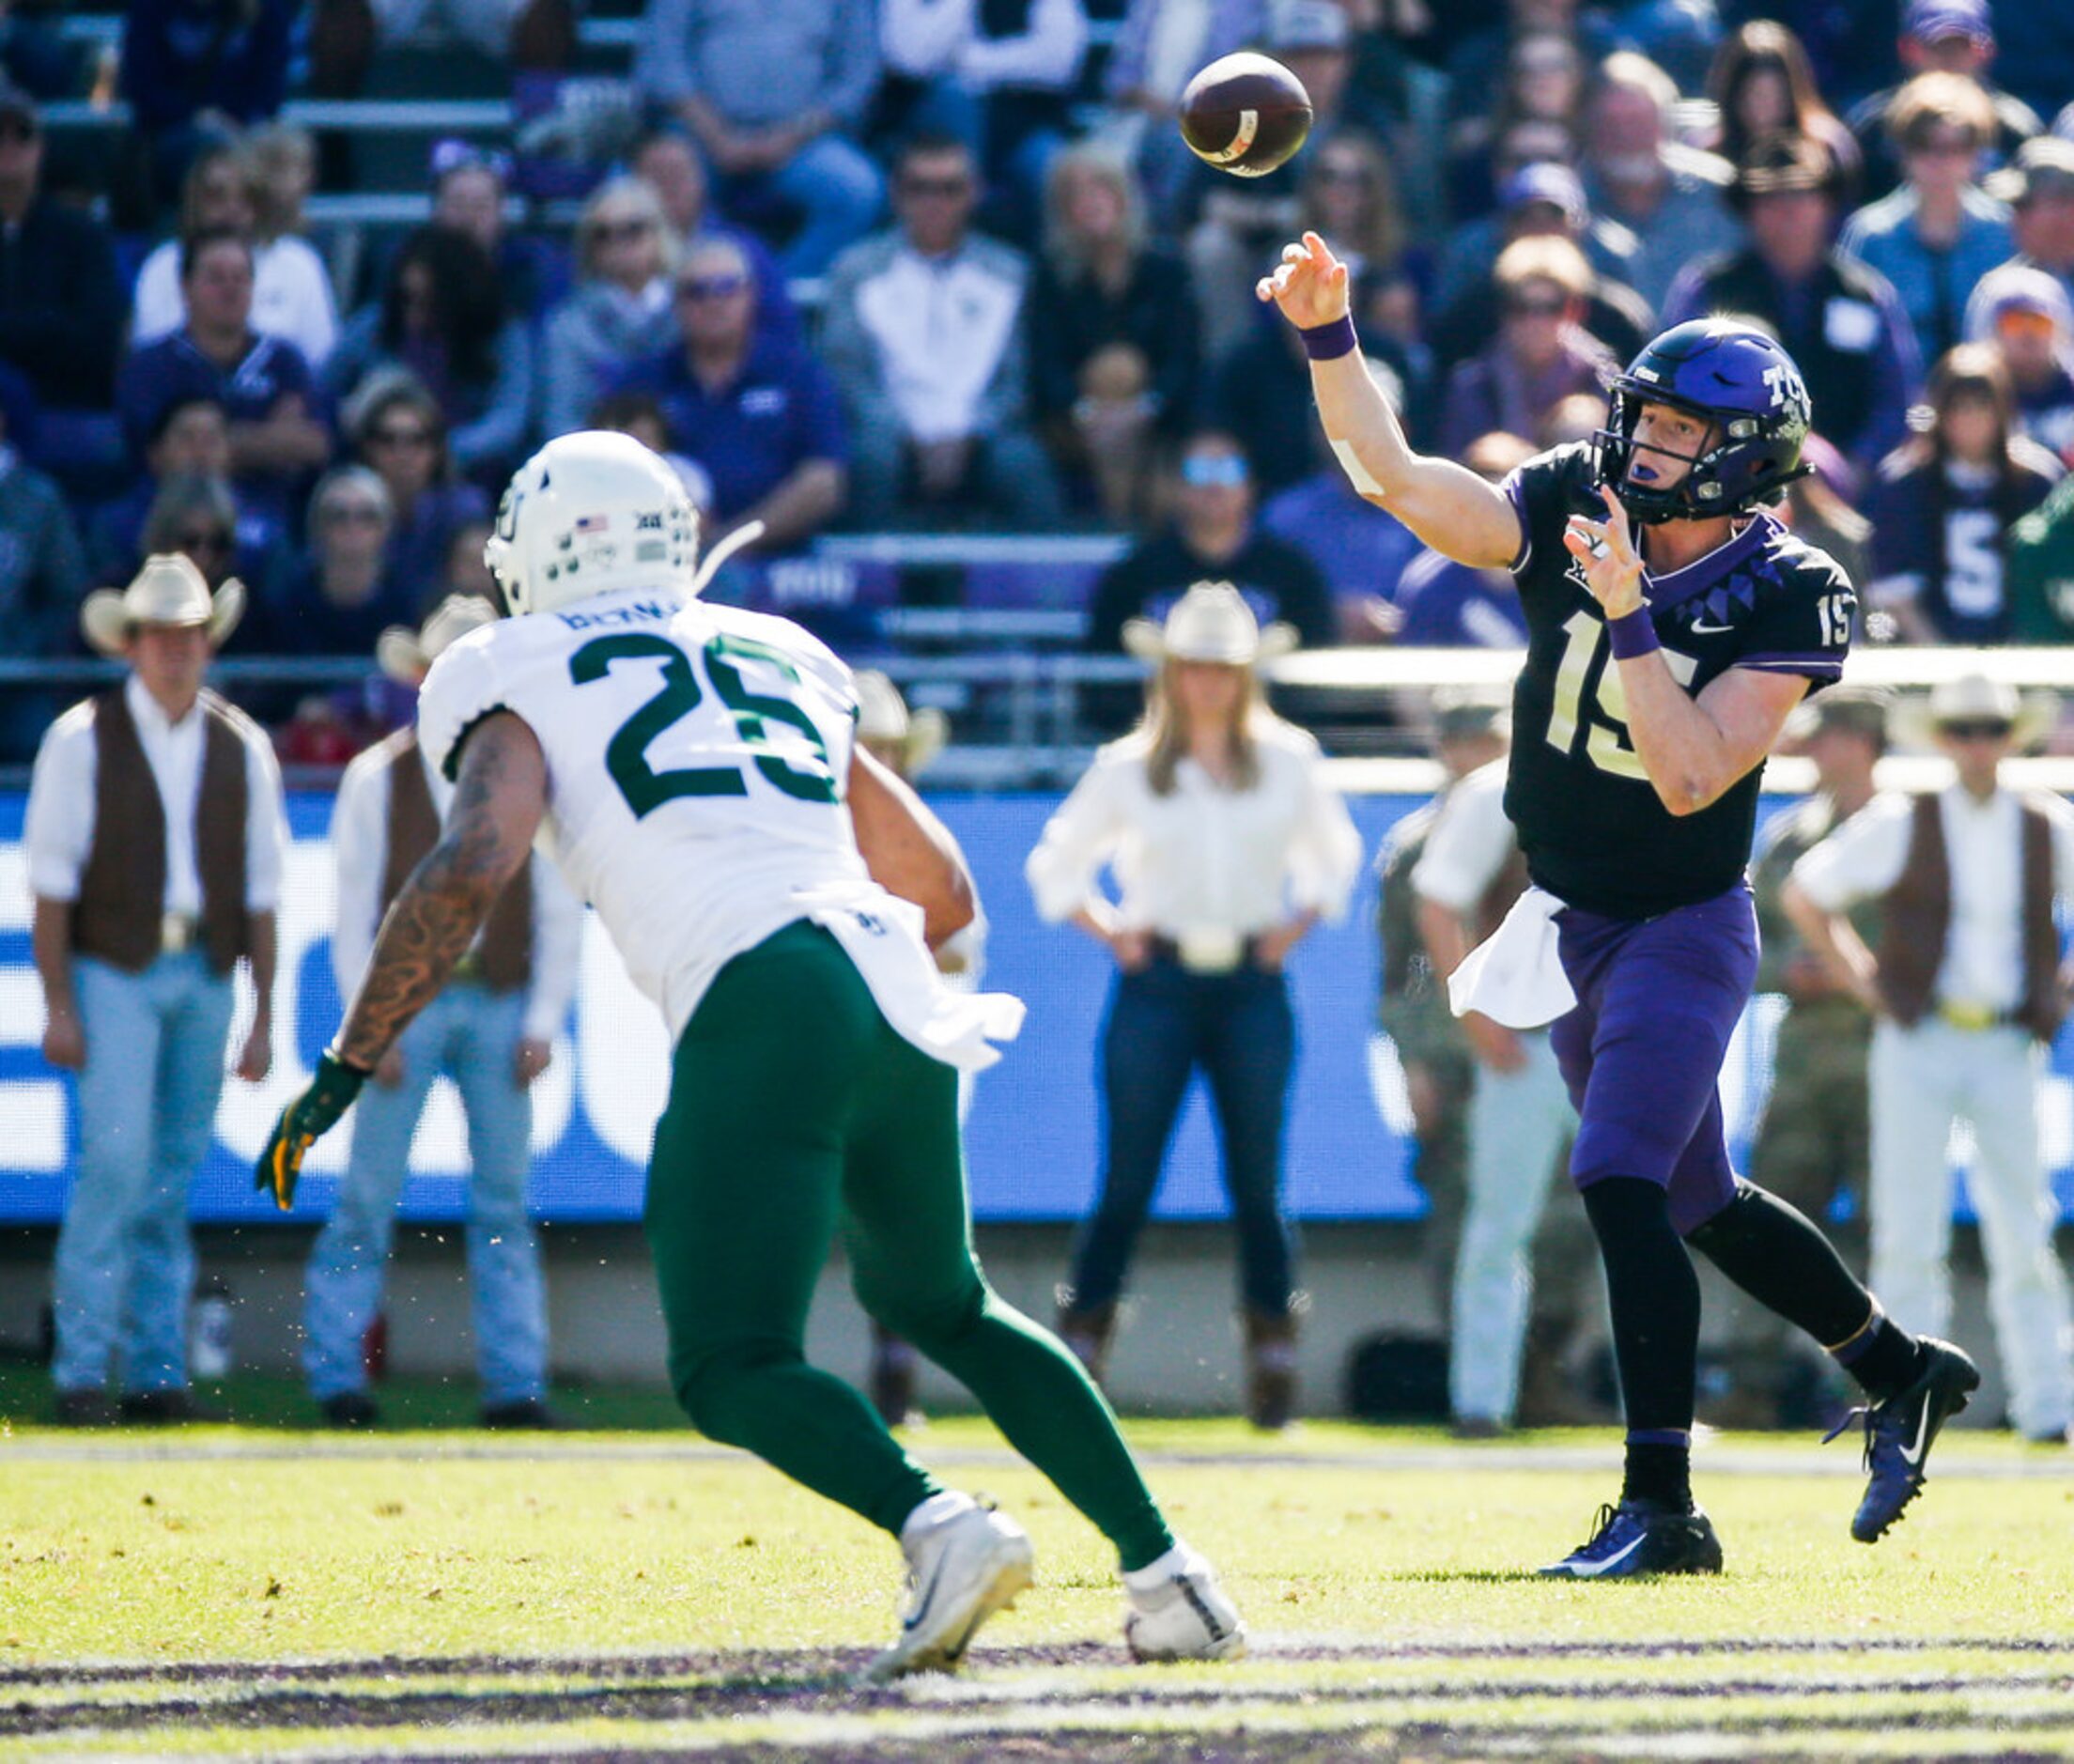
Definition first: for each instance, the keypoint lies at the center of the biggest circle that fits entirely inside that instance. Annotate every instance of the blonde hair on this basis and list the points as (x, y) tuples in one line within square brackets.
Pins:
[(1544, 257), (1167, 731), (1090, 158), (637, 195), (1939, 98)]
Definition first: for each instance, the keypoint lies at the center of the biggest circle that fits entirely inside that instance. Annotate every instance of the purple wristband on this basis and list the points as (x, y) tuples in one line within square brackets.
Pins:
[(1329, 342), (1633, 634)]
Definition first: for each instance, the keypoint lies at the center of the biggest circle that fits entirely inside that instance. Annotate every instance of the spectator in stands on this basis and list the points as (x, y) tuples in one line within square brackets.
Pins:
[(528, 33), (774, 101), (1540, 201), (139, 924), (292, 290), (191, 439), (1113, 354), (1955, 37), (443, 318), (263, 383), (1761, 86), (1939, 232), (924, 333), (2025, 314), (491, 1030), (1943, 503), (340, 598), (196, 72), (1637, 174), (670, 166), (1157, 52), (195, 515), (1543, 79), (1212, 538), (395, 425), (468, 192), (1444, 604), (1840, 322), (1228, 848), (37, 54), (1542, 353), (2040, 190), (621, 311), (61, 298), (631, 411), (1010, 69), (2040, 573), (761, 417), (43, 576)]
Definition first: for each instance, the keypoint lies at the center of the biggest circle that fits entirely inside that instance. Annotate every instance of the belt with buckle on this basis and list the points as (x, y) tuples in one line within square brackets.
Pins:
[(1206, 952), (1973, 1016), (178, 933)]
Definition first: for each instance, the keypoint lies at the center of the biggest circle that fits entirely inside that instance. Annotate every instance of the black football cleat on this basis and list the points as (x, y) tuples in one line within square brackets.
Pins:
[(1900, 1431), (1643, 1537)]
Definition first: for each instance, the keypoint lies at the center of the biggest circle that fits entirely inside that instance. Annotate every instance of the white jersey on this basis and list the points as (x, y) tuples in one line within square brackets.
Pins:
[(698, 758)]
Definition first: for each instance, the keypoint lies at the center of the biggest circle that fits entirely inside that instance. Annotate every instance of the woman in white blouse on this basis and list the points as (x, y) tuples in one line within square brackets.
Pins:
[(1228, 847)]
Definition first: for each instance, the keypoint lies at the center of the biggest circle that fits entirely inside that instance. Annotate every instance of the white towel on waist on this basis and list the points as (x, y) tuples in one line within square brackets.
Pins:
[(1515, 975)]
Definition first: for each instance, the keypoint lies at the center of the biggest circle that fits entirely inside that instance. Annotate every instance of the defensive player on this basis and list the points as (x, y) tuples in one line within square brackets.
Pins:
[(696, 772), (1673, 623)]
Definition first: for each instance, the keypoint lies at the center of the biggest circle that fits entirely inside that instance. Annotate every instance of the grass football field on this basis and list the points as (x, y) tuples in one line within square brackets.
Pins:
[(270, 1592)]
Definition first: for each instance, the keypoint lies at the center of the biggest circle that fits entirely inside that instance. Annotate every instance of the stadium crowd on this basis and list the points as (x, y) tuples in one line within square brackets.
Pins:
[(941, 267)]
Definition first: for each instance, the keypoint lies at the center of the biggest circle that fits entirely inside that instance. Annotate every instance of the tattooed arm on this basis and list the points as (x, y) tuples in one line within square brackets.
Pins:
[(498, 804)]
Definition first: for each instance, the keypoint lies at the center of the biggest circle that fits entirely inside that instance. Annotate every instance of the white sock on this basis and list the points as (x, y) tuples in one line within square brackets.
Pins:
[(945, 1504), (1181, 1559)]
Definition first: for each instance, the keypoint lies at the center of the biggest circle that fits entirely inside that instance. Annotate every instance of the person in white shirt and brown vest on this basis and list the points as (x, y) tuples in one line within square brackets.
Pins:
[(1967, 992), (1229, 846), (154, 834), (491, 1030)]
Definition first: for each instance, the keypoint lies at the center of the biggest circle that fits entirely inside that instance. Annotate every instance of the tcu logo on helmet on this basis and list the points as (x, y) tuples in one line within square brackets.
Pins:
[(1783, 380)]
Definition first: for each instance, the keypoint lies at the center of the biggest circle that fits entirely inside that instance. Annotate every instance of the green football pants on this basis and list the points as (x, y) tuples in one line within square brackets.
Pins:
[(795, 1110)]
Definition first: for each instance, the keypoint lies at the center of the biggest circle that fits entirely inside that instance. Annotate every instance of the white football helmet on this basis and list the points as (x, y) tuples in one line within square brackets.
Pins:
[(591, 511)]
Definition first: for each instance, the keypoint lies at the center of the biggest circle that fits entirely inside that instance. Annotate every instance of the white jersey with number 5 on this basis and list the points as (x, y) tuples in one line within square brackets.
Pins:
[(698, 758)]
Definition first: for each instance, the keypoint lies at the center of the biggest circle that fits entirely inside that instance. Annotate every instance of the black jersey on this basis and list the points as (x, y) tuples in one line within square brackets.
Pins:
[(1594, 832)]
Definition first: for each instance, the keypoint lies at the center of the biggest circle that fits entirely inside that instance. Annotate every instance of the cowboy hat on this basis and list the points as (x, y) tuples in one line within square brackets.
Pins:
[(1210, 623), (1862, 710), (882, 715), (406, 654), (1977, 697), (168, 590)]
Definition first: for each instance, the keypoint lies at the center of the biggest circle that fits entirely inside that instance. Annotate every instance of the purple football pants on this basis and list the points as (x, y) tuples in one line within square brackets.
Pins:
[(1657, 1000)]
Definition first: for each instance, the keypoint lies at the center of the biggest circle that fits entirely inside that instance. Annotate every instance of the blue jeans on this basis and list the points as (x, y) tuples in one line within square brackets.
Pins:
[(1164, 1022), (839, 193), (469, 1034), (147, 1096)]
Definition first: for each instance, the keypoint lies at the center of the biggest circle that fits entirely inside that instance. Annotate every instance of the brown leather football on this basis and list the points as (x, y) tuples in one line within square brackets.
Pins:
[(1245, 113)]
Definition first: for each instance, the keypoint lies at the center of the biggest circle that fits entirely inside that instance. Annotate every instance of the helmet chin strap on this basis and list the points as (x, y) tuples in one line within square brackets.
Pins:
[(744, 535)]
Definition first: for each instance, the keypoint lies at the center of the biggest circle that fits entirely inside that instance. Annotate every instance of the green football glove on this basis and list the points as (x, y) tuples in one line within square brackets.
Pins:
[(303, 1122)]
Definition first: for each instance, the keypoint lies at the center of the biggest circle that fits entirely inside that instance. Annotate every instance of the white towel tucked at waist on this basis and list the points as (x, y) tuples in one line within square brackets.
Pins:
[(882, 934), (1515, 975)]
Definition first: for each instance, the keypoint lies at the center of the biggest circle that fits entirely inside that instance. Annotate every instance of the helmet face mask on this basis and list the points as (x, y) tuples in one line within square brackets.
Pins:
[(591, 512), (1736, 379)]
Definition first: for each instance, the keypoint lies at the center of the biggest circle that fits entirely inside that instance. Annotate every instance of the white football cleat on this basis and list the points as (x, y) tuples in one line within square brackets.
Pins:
[(1175, 1610), (964, 1567)]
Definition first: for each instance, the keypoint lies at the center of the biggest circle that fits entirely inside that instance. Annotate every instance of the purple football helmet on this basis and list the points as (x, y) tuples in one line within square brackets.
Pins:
[(1734, 378)]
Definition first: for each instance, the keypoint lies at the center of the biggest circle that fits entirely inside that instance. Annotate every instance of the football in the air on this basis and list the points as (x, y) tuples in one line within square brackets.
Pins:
[(1245, 113)]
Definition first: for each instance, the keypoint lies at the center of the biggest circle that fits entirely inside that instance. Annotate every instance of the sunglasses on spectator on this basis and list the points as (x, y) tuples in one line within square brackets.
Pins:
[(635, 226), (1214, 471), (1975, 729), (2022, 322), (711, 287), (1946, 147), (17, 128), (1537, 305), (942, 187), (400, 438), (202, 539)]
